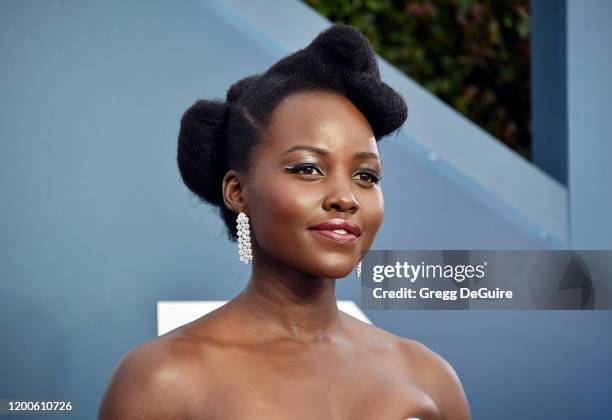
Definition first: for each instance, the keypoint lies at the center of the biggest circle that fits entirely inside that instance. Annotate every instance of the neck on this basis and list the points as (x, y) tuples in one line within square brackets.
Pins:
[(289, 303)]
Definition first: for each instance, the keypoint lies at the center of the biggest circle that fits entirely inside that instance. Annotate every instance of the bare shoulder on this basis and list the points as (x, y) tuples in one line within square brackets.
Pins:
[(430, 371), (437, 377), (155, 380)]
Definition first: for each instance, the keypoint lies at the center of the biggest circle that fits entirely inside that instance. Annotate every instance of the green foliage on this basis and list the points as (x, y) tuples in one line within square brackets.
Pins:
[(473, 54)]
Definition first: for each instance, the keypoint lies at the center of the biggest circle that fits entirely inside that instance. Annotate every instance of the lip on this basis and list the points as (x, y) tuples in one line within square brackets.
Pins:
[(327, 229), (349, 237)]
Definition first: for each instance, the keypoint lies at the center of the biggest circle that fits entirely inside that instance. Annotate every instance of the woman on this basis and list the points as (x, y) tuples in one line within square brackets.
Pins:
[(291, 160)]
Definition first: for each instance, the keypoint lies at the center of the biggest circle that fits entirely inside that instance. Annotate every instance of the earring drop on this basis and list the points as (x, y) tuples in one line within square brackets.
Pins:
[(244, 238), (358, 269)]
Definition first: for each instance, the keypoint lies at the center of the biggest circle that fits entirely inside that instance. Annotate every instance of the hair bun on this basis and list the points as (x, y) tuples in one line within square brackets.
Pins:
[(335, 53), (346, 48), (367, 93), (342, 60), (201, 149)]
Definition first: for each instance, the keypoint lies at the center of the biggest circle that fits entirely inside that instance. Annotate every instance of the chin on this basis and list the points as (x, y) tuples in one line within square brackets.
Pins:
[(334, 271)]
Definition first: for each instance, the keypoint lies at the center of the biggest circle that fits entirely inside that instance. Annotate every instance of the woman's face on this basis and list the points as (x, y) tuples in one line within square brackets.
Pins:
[(293, 188)]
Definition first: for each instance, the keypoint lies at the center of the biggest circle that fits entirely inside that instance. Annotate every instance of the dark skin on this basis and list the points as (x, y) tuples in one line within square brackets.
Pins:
[(281, 349)]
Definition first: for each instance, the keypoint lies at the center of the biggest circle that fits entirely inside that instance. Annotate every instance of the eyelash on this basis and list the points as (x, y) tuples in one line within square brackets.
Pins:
[(375, 179)]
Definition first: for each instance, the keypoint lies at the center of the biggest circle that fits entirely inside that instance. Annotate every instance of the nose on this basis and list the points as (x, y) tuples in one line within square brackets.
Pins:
[(341, 198)]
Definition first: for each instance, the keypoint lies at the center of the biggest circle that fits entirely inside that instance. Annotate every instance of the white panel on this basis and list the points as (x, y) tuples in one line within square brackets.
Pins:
[(173, 314)]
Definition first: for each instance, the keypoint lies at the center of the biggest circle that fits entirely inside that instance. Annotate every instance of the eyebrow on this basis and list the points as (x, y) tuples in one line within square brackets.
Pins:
[(323, 152)]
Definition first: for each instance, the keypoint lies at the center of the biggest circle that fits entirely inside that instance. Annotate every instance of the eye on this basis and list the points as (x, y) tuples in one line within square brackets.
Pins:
[(305, 169), (367, 176)]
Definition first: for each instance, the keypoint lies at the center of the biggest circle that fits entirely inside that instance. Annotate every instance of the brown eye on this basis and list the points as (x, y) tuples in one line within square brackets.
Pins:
[(367, 176), (307, 169)]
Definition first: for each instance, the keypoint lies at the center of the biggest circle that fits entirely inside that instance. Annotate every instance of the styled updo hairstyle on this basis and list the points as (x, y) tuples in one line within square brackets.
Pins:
[(216, 136)]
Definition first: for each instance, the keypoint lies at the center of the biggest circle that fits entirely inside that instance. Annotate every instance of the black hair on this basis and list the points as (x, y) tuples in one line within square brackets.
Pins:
[(216, 136)]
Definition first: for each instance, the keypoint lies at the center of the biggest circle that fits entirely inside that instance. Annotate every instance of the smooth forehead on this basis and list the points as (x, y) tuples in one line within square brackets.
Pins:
[(319, 118)]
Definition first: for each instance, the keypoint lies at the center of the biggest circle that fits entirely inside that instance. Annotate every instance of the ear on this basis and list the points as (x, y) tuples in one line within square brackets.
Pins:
[(235, 195)]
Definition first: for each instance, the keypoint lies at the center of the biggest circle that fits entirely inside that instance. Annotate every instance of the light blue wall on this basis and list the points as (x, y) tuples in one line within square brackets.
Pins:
[(97, 226), (589, 79)]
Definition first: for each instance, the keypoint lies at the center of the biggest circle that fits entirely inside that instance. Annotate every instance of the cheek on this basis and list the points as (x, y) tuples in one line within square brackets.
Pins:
[(279, 211)]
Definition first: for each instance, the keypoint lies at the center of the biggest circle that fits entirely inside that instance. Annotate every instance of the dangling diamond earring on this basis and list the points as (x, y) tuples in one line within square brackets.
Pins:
[(244, 238), (358, 269)]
